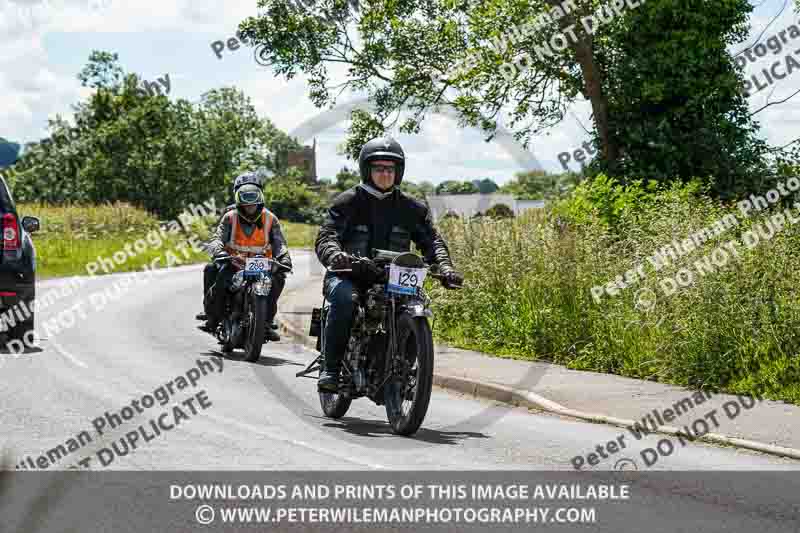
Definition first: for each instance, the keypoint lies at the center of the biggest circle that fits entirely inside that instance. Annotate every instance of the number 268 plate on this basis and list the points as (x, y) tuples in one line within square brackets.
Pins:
[(255, 266), (405, 280)]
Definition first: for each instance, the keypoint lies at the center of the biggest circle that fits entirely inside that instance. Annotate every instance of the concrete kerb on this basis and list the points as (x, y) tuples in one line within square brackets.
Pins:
[(531, 400)]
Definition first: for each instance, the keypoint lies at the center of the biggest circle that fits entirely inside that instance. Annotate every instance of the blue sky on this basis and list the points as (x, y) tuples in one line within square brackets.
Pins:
[(46, 42)]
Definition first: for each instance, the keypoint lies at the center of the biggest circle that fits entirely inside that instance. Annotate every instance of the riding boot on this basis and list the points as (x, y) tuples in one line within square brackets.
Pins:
[(339, 293), (329, 376), (278, 282)]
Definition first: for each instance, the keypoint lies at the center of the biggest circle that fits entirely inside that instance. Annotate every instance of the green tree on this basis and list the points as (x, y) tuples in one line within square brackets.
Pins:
[(655, 75), (538, 184), (346, 179), (148, 150), (456, 187), (291, 199), (485, 186)]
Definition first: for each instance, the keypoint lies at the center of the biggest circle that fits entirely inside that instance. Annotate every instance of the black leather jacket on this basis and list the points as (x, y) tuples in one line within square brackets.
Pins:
[(357, 222)]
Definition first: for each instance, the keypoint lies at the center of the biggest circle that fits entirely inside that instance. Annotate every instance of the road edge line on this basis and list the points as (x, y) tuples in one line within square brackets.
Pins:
[(528, 399)]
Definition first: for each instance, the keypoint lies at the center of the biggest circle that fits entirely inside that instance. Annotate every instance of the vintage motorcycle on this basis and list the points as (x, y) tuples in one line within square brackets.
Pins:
[(245, 323), (389, 356)]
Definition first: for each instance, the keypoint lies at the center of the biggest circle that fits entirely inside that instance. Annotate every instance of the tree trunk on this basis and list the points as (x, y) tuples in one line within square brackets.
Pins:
[(593, 89)]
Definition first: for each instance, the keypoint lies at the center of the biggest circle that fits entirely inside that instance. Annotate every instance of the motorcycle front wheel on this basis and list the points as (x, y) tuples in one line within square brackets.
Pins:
[(334, 405), (408, 392), (257, 327)]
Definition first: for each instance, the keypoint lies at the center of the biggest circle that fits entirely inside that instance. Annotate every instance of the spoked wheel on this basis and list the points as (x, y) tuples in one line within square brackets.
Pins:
[(408, 392), (334, 405), (256, 327), (224, 335)]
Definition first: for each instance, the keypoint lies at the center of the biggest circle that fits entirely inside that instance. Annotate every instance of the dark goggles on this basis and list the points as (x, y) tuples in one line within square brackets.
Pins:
[(383, 168), (249, 197)]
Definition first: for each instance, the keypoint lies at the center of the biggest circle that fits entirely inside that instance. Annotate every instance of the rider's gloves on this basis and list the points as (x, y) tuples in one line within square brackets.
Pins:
[(280, 268), (450, 278), (340, 261), (366, 270)]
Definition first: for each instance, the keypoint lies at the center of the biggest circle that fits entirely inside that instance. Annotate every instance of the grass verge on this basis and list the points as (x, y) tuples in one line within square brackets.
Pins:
[(734, 327), (71, 237)]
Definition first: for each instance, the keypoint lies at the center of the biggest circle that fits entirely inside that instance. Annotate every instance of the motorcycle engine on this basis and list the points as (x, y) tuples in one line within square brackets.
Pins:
[(375, 310)]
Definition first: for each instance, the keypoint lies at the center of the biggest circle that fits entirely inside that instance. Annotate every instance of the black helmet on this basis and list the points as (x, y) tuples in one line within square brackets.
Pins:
[(244, 179), (384, 148)]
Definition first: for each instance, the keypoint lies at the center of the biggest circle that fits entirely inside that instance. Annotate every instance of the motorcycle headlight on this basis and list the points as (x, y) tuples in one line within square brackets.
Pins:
[(237, 281), (262, 286)]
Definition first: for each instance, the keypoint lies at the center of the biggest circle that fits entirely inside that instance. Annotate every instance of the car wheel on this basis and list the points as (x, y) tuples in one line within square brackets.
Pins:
[(20, 331)]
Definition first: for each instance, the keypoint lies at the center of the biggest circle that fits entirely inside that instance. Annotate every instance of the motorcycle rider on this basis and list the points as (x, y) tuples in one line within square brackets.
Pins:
[(250, 227), (373, 214), (212, 269)]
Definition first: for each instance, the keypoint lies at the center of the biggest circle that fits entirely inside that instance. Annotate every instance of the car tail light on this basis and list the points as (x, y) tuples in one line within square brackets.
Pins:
[(10, 233)]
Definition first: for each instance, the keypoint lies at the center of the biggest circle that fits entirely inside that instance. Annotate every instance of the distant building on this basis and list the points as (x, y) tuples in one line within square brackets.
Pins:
[(305, 160), (469, 205)]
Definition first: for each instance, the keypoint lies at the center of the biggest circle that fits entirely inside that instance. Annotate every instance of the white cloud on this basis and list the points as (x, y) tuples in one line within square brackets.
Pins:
[(35, 87)]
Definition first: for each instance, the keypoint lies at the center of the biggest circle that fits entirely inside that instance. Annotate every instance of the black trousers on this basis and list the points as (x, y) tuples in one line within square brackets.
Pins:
[(217, 280)]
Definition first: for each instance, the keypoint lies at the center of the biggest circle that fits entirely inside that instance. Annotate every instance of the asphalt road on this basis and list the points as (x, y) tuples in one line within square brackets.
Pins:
[(260, 416)]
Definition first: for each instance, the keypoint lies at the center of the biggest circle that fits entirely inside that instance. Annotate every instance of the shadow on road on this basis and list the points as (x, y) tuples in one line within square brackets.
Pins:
[(264, 360), (367, 428)]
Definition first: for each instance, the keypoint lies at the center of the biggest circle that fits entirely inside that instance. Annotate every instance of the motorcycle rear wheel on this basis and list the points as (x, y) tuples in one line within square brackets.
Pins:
[(415, 345), (257, 328)]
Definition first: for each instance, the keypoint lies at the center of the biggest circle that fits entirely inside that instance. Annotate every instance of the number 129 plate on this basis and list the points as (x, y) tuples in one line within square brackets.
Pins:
[(405, 280)]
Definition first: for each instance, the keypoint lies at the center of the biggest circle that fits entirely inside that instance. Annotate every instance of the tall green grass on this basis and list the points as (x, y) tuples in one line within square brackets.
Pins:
[(528, 294), (73, 236)]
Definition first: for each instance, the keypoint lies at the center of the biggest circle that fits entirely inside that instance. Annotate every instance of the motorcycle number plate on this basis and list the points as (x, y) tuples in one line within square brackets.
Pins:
[(255, 266), (405, 280)]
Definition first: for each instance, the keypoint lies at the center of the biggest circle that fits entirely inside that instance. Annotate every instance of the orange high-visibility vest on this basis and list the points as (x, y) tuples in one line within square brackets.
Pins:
[(257, 243)]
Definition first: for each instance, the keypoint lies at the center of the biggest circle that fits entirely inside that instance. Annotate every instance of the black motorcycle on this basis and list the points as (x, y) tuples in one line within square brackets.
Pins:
[(389, 356), (245, 323)]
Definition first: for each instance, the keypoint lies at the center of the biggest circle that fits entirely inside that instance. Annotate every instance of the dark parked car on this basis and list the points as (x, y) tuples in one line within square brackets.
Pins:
[(17, 268)]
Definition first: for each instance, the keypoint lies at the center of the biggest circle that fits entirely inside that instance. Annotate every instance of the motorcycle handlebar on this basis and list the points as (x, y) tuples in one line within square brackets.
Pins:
[(433, 269), (239, 261)]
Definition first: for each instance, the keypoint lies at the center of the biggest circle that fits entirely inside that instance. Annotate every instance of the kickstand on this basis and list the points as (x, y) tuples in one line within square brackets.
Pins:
[(314, 365)]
